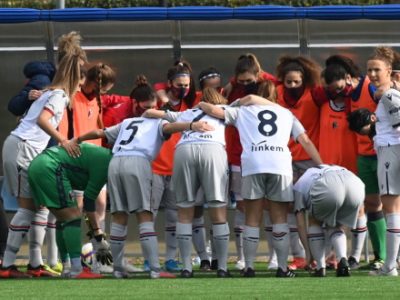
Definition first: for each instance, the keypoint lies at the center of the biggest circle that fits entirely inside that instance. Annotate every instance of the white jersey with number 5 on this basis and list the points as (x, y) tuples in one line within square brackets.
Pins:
[(136, 136), (264, 134), (192, 115)]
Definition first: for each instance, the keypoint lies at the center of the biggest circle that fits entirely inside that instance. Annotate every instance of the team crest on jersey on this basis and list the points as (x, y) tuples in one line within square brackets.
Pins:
[(263, 146), (335, 124)]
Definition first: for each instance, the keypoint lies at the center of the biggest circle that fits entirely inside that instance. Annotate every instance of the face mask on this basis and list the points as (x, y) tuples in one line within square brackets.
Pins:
[(295, 93), (346, 92), (91, 95), (179, 92), (251, 88)]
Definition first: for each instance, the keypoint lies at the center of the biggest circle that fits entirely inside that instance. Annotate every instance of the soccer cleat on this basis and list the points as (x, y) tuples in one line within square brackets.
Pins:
[(331, 264), (161, 274), (146, 266), (319, 273), (214, 264), (249, 273), (353, 263), (297, 263), (376, 264), (51, 270), (13, 272), (240, 265), (172, 266), (130, 268), (121, 275), (58, 267), (205, 265), (282, 274), (382, 272), (343, 269), (223, 274), (86, 274), (186, 274), (40, 271)]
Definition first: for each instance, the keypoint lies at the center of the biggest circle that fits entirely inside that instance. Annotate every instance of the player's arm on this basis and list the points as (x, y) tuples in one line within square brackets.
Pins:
[(254, 100), (309, 147), (91, 135), (212, 110), (43, 122), (302, 229), (199, 126), (154, 114)]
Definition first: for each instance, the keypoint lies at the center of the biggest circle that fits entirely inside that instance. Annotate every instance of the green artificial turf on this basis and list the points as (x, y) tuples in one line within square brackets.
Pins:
[(207, 286)]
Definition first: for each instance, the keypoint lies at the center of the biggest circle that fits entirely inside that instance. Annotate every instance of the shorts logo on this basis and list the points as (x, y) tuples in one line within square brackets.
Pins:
[(387, 164), (262, 146)]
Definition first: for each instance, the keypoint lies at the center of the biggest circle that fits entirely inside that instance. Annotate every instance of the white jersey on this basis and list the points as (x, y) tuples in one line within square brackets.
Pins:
[(264, 134), (388, 123), (303, 186), (192, 115), (54, 101), (136, 136)]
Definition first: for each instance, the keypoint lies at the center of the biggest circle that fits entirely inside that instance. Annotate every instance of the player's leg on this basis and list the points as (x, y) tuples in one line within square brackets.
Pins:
[(184, 238), (118, 235), (199, 234), (316, 242), (358, 238), (52, 251), (235, 188), (272, 259)]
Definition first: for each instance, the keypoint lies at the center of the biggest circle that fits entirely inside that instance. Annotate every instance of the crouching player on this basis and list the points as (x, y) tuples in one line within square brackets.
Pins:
[(53, 175), (331, 195), (137, 142)]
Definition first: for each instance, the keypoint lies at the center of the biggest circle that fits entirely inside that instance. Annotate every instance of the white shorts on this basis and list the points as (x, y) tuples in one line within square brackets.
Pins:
[(200, 165), (273, 187), (17, 156), (336, 198), (162, 194), (129, 184), (389, 170)]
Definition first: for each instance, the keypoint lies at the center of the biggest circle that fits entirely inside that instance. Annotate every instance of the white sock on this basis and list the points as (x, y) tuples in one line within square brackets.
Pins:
[(117, 243), (268, 233), (36, 236), (281, 243), (316, 240), (221, 241), (295, 244), (239, 225), (184, 239), (212, 244), (76, 265), (171, 217), (199, 238), (392, 239), (149, 242), (52, 250), (251, 239), (358, 237), (18, 228), (339, 242)]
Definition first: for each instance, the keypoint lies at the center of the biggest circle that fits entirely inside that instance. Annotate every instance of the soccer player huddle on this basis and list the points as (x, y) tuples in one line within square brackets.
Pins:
[(307, 152)]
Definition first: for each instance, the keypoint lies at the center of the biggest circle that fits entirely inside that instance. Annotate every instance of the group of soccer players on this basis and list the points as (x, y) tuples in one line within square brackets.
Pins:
[(310, 151)]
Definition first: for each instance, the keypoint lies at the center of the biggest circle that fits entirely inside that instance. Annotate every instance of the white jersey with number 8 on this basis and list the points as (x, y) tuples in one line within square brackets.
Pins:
[(136, 136), (264, 134)]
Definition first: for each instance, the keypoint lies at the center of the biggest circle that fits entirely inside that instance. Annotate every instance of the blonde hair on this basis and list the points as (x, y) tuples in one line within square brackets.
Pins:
[(211, 95), (267, 90), (68, 43), (385, 54)]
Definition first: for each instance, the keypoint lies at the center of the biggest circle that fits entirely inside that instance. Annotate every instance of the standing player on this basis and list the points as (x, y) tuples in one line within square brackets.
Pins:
[(53, 175), (136, 141), (27, 141), (266, 176), (332, 196), (387, 142), (300, 77)]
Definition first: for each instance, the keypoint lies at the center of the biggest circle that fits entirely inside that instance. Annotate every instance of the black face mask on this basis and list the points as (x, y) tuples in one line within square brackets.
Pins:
[(295, 93), (91, 95), (251, 88)]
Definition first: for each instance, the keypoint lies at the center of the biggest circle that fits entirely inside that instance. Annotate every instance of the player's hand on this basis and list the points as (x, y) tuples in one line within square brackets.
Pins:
[(34, 94), (202, 126), (72, 147), (103, 250)]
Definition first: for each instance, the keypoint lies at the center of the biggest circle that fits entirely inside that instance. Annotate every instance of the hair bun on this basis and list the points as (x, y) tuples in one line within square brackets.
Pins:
[(141, 80)]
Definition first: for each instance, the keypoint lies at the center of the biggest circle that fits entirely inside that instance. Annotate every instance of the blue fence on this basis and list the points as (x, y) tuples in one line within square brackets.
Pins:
[(261, 12)]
